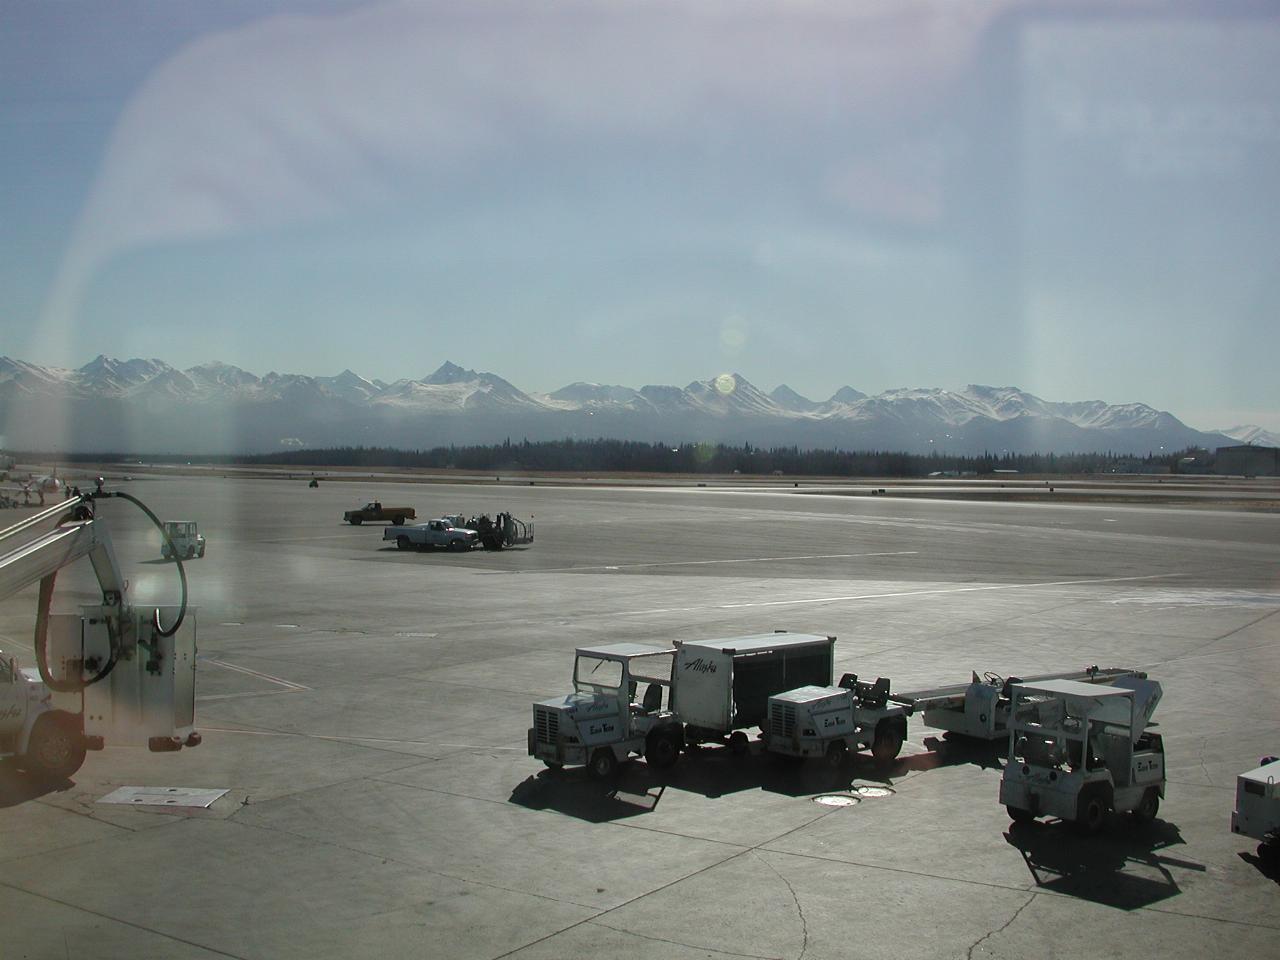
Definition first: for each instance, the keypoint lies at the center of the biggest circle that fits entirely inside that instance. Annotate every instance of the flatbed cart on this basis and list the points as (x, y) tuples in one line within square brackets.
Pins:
[(980, 708)]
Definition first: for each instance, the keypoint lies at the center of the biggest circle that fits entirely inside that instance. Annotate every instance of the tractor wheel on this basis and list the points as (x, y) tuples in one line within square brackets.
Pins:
[(56, 749), (1269, 853), (1020, 814), (603, 764), (402, 543), (1091, 810), (837, 753), (663, 749), (356, 521), (1149, 806), (887, 744)]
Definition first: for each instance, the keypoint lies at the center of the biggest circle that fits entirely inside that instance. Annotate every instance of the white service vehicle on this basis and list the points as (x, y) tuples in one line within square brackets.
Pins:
[(601, 724), (717, 689), (827, 723), (1257, 812), (433, 533), (1077, 751), (181, 539), (113, 673)]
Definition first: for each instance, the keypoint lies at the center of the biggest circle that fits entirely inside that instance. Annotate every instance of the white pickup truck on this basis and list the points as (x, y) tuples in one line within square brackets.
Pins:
[(433, 533)]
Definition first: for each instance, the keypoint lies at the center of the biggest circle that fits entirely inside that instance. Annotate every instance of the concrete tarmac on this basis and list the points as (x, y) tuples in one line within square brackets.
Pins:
[(366, 710)]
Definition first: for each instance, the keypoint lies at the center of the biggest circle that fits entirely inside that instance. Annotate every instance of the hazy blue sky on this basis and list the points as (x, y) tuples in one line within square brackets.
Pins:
[(1074, 200)]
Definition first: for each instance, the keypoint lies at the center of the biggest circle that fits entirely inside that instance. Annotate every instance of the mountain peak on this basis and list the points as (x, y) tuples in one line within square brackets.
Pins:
[(788, 399), (848, 395), (449, 372)]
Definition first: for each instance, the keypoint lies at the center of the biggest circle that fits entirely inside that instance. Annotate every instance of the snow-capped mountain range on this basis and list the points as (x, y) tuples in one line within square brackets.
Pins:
[(149, 406)]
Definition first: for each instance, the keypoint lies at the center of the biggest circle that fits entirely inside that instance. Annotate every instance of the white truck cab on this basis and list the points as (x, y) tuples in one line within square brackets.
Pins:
[(47, 741), (608, 718), (1077, 751), (186, 539)]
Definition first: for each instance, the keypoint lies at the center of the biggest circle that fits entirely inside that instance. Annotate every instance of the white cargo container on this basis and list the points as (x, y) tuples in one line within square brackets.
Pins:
[(722, 687)]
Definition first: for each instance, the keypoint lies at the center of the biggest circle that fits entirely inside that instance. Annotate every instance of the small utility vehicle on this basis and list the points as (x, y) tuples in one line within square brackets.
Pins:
[(1257, 812), (1078, 751), (186, 539)]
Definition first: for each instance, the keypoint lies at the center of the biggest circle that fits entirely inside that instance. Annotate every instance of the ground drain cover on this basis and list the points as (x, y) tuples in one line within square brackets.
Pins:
[(867, 792), (837, 800), (163, 796)]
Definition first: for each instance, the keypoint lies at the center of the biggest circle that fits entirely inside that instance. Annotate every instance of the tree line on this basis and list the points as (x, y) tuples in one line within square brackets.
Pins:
[(628, 456)]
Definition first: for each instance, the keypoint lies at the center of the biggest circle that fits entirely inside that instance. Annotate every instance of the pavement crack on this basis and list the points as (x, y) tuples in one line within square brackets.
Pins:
[(1001, 929), (123, 922), (388, 858), (681, 943), (804, 923)]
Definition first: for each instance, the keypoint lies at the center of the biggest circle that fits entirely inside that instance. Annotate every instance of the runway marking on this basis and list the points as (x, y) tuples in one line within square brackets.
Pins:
[(904, 593), (949, 590), (288, 684), (696, 563), (317, 736)]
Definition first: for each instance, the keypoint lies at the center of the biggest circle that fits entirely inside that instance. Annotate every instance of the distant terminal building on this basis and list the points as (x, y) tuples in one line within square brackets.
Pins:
[(1248, 460)]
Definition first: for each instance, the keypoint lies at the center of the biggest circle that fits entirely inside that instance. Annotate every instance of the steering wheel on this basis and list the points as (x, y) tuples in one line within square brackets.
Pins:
[(993, 678)]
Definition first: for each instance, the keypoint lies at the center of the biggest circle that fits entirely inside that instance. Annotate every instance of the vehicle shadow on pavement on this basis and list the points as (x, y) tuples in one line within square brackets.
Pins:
[(1123, 866), (716, 771), (18, 787), (1268, 867), (576, 793)]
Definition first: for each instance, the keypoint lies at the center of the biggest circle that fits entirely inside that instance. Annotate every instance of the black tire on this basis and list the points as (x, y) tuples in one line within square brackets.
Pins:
[(356, 521), (1092, 808), (837, 753), (1269, 854), (553, 766), (603, 765), (403, 543), (398, 521), (191, 553), (888, 742), (56, 748), (1020, 814), (164, 553), (457, 546), (662, 749), (201, 553), (739, 745), (1148, 807)]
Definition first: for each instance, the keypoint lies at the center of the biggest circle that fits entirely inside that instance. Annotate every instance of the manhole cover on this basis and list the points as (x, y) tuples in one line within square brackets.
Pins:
[(867, 792), (836, 800)]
